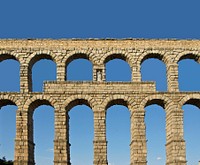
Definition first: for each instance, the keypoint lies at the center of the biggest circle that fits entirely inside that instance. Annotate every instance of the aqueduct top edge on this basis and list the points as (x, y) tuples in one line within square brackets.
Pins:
[(117, 43)]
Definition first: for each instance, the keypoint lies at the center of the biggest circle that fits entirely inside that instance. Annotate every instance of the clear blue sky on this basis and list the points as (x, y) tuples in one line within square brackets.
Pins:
[(100, 19)]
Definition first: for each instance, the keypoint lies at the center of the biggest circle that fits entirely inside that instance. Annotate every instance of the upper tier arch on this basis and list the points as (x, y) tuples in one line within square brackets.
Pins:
[(160, 55), (79, 100), (117, 54), (119, 100), (38, 100), (193, 99), (78, 54), (162, 101), (188, 55), (6, 55), (38, 55)]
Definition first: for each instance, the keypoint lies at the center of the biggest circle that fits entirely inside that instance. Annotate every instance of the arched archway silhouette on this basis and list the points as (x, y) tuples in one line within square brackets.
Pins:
[(44, 134), (43, 70), (81, 134), (116, 65), (11, 78), (191, 115), (8, 110), (118, 130), (155, 134), (38, 104), (35, 71), (190, 74), (153, 69), (81, 131)]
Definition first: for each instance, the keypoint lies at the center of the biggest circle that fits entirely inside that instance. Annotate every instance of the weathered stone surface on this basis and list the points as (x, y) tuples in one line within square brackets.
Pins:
[(98, 94)]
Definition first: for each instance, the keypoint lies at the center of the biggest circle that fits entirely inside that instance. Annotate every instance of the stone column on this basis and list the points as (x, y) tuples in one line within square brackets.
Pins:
[(25, 78), (100, 143), (175, 147), (136, 75), (172, 77), (24, 146), (61, 72), (99, 73), (138, 138), (61, 141)]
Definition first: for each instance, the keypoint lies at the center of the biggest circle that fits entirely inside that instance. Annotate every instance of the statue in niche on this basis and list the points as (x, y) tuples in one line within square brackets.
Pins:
[(99, 75)]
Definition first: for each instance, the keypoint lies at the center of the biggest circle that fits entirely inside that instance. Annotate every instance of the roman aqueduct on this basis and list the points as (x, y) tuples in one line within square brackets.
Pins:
[(99, 94)]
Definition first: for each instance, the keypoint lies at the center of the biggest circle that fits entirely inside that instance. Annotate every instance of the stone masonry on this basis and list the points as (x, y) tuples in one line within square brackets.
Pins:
[(99, 94)]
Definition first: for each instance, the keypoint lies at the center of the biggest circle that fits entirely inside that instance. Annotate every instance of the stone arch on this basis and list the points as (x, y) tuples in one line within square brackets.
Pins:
[(165, 102), (191, 58), (120, 100), (38, 100), (193, 99), (162, 101), (117, 54), (164, 122), (78, 54), (158, 54), (34, 58), (79, 100), (153, 54), (9, 100), (111, 119), (38, 55), (4, 55), (9, 124), (68, 105), (30, 105), (188, 55)]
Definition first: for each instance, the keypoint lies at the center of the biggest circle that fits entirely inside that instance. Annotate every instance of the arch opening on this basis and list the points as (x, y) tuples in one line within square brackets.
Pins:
[(118, 132), (154, 70), (10, 73), (81, 132), (152, 55), (117, 69), (115, 56), (191, 130), (155, 132), (43, 69), (189, 56), (80, 69), (41, 121), (7, 57), (7, 129), (188, 70)]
